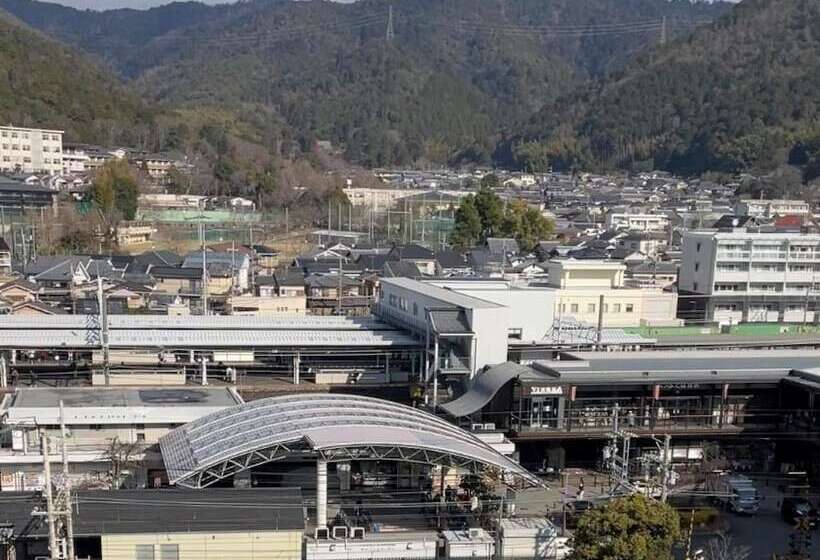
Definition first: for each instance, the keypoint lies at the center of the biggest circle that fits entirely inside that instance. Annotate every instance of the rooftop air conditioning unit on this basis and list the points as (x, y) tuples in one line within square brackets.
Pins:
[(357, 532), (474, 533), (322, 533), (477, 427), (490, 426), (340, 532)]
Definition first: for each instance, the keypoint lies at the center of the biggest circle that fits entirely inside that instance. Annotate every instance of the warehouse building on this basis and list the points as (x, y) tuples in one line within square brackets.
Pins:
[(252, 524)]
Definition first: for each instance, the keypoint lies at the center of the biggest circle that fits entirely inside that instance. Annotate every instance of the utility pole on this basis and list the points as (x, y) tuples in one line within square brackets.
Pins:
[(666, 467), (103, 317), (600, 321), (52, 525), (64, 494), (204, 289), (339, 294), (617, 455)]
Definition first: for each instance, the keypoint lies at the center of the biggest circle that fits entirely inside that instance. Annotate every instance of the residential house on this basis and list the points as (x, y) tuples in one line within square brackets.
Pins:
[(18, 290), (177, 280), (330, 293), (289, 282), (452, 263), (420, 256), (35, 308), (267, 259), (237, 265)]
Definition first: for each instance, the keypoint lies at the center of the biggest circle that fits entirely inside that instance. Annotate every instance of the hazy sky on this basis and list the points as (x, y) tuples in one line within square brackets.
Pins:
[(143, 4), (138, 4)]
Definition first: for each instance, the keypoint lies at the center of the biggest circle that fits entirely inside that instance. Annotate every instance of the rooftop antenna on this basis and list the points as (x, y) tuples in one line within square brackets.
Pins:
[(390, 34)]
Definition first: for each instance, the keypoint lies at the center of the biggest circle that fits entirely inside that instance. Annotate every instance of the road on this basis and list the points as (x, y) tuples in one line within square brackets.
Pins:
[(765, 533)]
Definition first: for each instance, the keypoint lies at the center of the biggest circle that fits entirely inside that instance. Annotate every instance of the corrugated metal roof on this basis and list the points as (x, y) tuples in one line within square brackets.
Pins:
[(677, 366), (165, 511)]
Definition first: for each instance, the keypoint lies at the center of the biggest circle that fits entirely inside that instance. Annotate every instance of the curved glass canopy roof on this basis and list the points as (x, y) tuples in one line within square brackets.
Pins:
[(331, 427)]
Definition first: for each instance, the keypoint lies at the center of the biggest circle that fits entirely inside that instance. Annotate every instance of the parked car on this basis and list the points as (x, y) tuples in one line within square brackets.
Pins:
[(796, 509)]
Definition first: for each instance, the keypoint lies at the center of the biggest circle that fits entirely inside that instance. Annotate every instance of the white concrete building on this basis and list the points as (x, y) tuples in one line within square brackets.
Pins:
[(76, 160), (96, 417), (637, 222), (31, 150), (584, 286), (740, 276), (771, 208)]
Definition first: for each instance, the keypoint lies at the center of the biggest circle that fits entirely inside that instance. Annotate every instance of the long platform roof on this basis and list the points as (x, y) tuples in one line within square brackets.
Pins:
[(83, 331), (335, 427)]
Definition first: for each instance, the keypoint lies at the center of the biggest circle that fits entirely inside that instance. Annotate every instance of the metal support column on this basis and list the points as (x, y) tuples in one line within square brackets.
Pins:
[(321, 493), (204, 370), (435, 373), (296, 367)]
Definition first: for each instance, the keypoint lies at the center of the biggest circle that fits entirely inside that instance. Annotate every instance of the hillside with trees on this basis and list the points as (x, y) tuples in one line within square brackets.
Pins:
[(452, 77), (45, 84), (741, 94)]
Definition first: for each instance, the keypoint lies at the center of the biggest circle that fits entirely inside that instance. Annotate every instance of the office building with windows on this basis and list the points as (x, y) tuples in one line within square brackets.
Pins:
[(31, 150)]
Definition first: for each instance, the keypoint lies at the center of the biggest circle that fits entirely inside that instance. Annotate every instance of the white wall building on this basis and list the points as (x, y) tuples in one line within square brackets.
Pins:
[(31, 150), (583, 286), (771, 208), (75, 160), (637, 222), (739, 276), (95, 416)]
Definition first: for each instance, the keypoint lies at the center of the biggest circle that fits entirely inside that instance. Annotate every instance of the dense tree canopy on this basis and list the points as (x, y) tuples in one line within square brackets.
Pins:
[(734, 96), (457, 73), (115, 192), (485, 215), (630, 528)]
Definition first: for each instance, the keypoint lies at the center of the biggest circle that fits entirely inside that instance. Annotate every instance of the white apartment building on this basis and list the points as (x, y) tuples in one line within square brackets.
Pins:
[(75, 160), (771, 208), (637, 222), (740, 276), (31, 150)]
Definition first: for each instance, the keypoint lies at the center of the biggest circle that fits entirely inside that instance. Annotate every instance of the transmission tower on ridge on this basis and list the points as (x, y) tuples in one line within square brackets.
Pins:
[(390, 33), (663, 31)]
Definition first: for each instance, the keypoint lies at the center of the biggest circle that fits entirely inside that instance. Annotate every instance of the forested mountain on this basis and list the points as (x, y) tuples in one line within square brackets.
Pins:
[(43, 83), (454, 74), (740, 94)]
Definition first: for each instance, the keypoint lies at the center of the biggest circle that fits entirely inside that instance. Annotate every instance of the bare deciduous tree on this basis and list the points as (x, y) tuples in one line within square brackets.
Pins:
[(123, 458), (723, 548)]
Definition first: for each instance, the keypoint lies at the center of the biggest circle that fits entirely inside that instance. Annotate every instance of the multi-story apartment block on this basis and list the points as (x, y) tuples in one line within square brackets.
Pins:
[(771, 208), (741, 276), (637, 222), (31, 150)]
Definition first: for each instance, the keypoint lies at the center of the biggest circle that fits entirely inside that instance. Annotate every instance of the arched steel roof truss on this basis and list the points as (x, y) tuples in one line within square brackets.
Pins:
[(333, 427)]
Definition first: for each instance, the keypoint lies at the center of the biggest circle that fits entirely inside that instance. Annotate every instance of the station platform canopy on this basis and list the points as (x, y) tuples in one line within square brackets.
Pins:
[(333, 428)]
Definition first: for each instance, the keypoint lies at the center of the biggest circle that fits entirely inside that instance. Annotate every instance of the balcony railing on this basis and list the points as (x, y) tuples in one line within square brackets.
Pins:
[(599, 422)]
